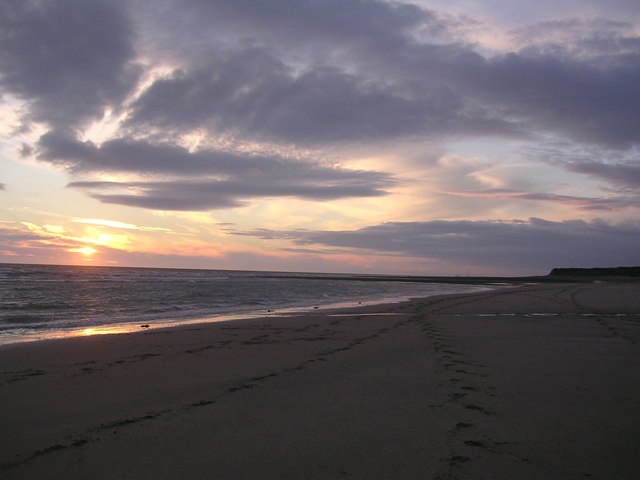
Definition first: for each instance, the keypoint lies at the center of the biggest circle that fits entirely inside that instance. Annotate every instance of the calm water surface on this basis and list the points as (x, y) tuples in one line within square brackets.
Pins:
[(46, 301)]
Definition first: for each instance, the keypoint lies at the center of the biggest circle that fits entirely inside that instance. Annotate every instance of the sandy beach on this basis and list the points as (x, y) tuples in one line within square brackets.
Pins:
[(538, 381)]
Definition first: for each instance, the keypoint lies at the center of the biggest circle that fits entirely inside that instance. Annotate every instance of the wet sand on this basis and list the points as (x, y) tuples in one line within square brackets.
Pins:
[(539, 381)]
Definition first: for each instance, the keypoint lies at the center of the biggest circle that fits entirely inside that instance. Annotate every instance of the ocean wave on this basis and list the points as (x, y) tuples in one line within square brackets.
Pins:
[(7, 320), (85, 297)]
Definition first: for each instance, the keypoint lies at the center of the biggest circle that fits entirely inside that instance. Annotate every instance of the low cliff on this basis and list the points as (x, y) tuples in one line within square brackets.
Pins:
[(596, 272)]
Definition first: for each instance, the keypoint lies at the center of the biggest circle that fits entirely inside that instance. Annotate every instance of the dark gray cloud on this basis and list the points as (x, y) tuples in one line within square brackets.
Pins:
[(3, 186), (139, 156), (301, 74), (535, 245), (252, 93), (227, 193), (67, 58), (307, 24), (566, 96), (316, 72), (163, 195), (620, 169), (202, 179), (330, 71), (573, 78), (622, 174)]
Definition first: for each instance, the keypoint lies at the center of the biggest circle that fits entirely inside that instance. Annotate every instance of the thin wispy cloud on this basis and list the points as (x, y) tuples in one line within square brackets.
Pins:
[(118, 225)]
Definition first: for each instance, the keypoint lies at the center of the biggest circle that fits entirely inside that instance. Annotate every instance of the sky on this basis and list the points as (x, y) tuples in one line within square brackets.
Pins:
[(407, 137)]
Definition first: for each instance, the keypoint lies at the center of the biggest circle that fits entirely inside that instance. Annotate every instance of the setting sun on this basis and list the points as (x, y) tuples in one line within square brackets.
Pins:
[(86, 251)]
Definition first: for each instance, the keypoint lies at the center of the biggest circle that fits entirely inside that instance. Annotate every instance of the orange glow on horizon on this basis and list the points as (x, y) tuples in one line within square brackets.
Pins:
[(96, 237), (86, 251)]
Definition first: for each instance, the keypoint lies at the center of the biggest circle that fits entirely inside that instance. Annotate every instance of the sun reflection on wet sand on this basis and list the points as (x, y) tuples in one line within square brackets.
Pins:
[(134, 327)]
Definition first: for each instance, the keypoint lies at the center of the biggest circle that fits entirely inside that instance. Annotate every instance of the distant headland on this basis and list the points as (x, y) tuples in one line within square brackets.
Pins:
[(596, 272)]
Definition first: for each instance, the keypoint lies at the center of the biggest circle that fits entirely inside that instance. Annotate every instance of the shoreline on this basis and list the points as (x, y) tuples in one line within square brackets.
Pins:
[(48, 334), (538, 381)]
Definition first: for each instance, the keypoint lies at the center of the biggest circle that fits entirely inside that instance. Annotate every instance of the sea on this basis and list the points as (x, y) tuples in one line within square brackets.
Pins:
[(52, 301)]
